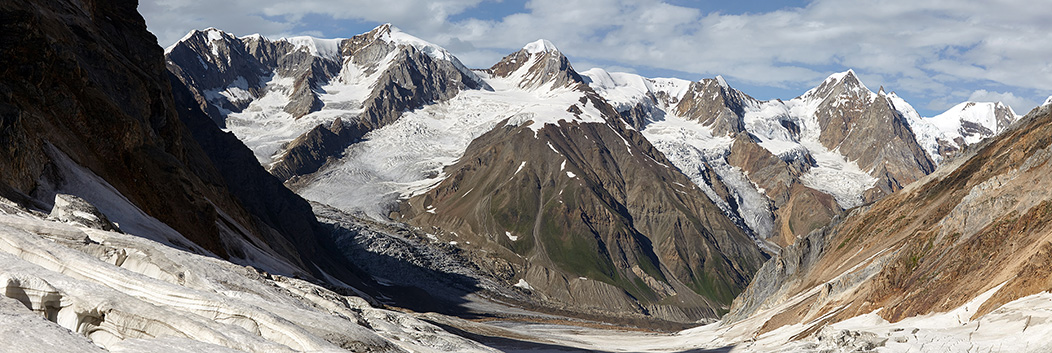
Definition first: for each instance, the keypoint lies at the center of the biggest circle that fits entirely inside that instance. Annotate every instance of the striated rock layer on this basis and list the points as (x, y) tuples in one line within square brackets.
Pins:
[(590, 217), (979, 224)]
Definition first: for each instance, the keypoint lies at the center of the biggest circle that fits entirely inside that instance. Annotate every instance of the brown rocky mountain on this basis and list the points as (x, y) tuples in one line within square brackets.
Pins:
[(788, 167), (979, 223), (586, 214), (866, 128)]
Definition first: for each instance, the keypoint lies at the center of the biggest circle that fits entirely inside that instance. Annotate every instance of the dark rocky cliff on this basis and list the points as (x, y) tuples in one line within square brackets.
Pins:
[(85, 79)]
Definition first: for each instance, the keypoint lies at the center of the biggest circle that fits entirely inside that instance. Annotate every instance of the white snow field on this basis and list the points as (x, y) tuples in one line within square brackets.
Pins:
[(407, 157), (68, 288)]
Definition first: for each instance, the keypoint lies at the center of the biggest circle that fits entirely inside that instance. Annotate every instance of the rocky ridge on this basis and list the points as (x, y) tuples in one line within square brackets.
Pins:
[(331, 92), (592, 219), (902, 257), (787, 166)]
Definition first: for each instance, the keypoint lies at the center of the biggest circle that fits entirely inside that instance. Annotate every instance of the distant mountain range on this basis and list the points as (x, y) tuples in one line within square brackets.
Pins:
[(520, 162)]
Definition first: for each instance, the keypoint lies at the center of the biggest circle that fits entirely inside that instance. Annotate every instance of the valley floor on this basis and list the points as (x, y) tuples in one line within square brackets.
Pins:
[(68, 288)]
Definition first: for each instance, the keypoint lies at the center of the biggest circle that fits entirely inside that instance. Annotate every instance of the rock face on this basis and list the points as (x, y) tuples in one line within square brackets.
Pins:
[(980, 223), (89, 111), (331, 92), (713, 103), (592, 218), (866, 128), (784, 168)]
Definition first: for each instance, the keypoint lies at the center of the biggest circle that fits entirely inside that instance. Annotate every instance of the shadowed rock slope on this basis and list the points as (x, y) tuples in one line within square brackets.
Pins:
[(87, 109)]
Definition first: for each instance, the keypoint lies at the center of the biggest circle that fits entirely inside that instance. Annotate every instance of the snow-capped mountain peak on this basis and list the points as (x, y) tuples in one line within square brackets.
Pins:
[(537, 65), (1047, 101), (392, 34), (846, 82), (325, 48), (210, 34), (944, 135), (540, 46)]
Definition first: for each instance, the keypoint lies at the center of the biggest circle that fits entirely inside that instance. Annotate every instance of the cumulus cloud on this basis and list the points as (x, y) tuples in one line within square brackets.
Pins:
[(928, 49)]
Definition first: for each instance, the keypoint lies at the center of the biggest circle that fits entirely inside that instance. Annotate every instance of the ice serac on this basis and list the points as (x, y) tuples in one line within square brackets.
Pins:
[(964, 240), (330, 92), (589, 217)]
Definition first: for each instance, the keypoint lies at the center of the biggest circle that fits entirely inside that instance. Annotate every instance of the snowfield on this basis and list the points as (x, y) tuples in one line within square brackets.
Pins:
[(407, 157)]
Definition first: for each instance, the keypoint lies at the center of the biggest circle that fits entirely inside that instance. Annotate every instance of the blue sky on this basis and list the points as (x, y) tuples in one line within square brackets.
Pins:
[(932, 53)]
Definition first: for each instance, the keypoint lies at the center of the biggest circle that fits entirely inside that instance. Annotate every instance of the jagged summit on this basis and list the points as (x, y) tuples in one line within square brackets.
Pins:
[(846, 82), (540, 46), (538, 65)]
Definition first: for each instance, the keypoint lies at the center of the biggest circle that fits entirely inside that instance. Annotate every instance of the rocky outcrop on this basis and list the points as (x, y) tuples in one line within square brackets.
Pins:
[(713, 103), (980, 223), (91, 112), (72, 209), (90, 82)]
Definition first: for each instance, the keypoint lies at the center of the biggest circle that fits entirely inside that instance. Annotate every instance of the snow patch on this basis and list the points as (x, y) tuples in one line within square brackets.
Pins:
[(522, 284), (324, 48)]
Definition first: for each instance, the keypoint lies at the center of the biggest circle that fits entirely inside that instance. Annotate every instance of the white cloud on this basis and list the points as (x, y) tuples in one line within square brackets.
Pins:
[(929, 49)]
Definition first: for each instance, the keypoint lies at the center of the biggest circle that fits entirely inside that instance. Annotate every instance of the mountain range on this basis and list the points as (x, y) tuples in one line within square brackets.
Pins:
[(158, 200), (483, 158)]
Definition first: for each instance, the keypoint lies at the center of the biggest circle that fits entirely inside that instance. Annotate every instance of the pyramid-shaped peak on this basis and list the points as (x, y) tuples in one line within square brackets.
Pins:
[(207, 35), (846, 76), (844, 82), (540, 46)]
